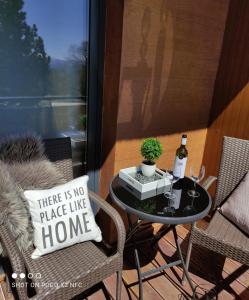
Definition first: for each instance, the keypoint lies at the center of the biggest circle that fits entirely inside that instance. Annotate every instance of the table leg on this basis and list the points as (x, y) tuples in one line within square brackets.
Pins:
[(139, 274), (189, 250), (131, 231), (182, 260)]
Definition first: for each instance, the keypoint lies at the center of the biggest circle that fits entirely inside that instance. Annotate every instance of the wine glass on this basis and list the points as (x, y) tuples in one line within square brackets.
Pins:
[(196, 177), (169, 194), (190, 209)]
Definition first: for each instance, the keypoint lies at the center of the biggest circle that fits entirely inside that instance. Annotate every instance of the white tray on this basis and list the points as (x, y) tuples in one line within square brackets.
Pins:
[(143, 190)]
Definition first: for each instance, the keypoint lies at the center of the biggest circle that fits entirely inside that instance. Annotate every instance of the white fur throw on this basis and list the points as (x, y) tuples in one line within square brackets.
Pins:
[(21, 148), (25, 170)]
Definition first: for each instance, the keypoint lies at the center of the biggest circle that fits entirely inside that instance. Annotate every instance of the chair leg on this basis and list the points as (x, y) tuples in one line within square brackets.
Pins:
[(119, 285), (190, 244)]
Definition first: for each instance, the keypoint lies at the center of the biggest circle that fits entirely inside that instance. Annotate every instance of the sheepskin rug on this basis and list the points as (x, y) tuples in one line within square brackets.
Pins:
[(23, 166)]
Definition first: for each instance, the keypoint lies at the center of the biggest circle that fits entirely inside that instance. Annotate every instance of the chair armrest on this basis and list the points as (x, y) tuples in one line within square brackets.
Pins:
[(208, 182), (16, 260), (110, 211)]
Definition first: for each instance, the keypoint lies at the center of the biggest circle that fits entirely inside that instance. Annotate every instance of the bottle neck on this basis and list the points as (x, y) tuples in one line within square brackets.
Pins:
[(184, 142)]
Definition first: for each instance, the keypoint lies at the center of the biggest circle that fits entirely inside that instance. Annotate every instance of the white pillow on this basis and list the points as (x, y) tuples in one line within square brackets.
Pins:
[(62, 216)]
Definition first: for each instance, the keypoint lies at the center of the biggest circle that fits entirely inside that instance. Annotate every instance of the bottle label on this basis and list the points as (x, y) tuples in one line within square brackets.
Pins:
[(180, 166)]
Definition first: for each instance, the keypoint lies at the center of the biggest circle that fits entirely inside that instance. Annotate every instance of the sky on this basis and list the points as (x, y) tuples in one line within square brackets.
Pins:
[(61, 23)]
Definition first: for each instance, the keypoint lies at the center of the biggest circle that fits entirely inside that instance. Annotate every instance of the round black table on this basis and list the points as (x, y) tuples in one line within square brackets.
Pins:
[(183, 209)]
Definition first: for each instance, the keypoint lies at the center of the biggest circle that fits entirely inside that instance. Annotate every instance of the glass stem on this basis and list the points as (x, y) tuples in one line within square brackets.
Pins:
[(171, 187)]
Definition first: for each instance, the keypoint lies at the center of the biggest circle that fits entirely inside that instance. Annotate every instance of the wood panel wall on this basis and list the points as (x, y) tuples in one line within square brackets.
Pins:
[(112, 62), (170, 55), (161, 61), (230, 108)]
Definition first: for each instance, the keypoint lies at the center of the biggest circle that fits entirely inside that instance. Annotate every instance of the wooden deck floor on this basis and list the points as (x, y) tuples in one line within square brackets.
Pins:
[(222, 278)]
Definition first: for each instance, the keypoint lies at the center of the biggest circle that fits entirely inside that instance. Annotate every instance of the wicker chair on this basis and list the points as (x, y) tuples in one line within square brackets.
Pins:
[(83, 263), (221, 235)]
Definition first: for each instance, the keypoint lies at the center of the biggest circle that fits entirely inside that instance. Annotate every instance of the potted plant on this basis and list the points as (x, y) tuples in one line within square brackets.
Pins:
[(151, 150)]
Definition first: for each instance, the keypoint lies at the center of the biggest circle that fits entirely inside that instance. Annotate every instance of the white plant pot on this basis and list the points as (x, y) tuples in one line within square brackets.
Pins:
[(148, 170)]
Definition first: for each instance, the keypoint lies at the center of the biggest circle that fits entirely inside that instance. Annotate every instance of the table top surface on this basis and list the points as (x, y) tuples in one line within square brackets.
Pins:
[(183, 209)]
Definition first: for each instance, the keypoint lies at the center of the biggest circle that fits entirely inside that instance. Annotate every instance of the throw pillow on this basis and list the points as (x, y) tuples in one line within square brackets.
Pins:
[(236, 208), (62, 216)]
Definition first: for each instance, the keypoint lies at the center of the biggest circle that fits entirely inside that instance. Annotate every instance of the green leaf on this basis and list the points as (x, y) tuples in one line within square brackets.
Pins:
[(151, 149)]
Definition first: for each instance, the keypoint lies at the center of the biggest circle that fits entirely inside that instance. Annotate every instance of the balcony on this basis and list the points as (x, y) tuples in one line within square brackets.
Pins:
[(214, 275), (154, 69)]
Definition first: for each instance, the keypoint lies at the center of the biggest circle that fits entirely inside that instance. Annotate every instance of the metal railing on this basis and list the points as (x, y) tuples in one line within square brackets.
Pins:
[(43, 101)]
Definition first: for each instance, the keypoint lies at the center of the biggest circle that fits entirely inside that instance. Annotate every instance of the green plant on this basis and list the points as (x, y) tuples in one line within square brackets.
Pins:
[(151, 149), (83, 120)]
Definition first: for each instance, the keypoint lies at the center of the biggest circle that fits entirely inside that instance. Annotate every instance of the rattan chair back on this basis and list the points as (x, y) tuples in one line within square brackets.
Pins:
[(59, 152), (233, 167)]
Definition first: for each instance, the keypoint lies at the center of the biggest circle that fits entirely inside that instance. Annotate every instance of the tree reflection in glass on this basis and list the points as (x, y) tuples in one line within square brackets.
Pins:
[(24, 64)]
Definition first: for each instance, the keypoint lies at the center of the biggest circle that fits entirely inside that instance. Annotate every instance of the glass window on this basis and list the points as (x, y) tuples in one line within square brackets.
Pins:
[(44, 70)]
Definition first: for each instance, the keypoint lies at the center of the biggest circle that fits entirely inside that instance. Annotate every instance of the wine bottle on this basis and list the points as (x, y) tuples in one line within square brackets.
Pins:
[(181, 159), (177, 191)]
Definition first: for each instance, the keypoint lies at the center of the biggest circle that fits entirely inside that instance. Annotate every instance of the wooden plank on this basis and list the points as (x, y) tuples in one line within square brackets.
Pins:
[(174, 275), (210, 263), (229, 265), (166, 288), (130, 276), (2, 274), (167, 285), (161, 283), (99, 295), (4, 294), (2, 297), (173, 290), (167, 245), (177, 272), (110, 284)]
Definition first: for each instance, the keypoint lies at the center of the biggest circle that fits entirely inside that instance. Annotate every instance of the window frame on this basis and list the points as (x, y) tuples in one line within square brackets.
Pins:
[(95, 90)]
